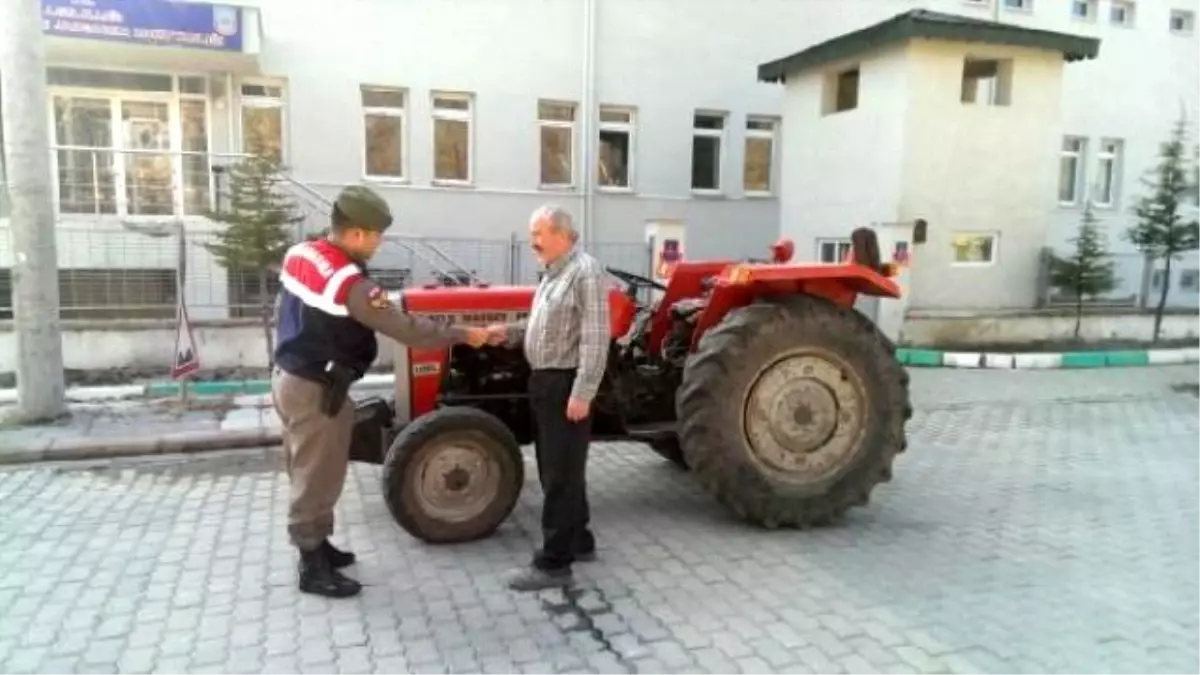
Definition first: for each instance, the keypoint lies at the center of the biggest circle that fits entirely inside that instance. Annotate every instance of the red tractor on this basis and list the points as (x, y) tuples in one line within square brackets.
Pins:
[(759, 377)]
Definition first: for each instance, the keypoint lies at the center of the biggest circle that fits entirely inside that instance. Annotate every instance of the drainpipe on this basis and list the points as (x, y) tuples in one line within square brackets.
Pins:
[(588, 140)]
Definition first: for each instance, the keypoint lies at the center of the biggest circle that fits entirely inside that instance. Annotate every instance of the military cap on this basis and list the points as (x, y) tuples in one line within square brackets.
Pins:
[(364, 208)]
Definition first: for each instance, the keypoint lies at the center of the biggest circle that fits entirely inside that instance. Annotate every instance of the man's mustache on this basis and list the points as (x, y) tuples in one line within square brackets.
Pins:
[(537, 248)]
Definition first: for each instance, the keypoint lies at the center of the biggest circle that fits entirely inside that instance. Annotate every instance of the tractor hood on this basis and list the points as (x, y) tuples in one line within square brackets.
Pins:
[(483, 304)]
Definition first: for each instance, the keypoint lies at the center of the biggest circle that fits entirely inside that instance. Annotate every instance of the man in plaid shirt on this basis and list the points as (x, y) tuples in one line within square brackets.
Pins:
[(566, 341)]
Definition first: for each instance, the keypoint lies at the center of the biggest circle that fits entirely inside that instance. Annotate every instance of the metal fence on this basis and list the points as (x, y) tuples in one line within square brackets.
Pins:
[(1139, 282), (133, 272)]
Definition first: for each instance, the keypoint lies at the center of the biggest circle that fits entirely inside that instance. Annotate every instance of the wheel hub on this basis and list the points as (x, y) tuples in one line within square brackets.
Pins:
[(457, 481), (803, 417)]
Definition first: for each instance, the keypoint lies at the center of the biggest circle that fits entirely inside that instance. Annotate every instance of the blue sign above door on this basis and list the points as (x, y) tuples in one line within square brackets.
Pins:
[(152, 22)]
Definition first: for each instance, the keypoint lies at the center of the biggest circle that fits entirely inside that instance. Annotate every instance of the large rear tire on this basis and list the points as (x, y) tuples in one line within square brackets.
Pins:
[(453, 475), (792, 410)]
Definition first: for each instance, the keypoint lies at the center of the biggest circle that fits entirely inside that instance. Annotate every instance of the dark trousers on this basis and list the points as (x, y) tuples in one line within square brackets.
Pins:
[(562, 450)]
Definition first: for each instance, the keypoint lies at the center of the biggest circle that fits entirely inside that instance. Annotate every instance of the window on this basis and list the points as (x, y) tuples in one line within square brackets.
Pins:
[(1084, 10), (832, 250), (116, 293), (1189, 280), (262, 119), (1182, 21), (841, 91), (616, 148), (757, 177), (452, 138), (1121, 12), (245, 301), (1108, 173), (707, 131), (1070, 170), (196, 162), (974, 248), (1019, 5), (987, 81), (557, 130), (130, 144), (384, 130)]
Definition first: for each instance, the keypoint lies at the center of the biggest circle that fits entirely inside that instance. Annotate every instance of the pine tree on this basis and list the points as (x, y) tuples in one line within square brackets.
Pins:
[(259, 223), (1088, 271), (1162, 231)]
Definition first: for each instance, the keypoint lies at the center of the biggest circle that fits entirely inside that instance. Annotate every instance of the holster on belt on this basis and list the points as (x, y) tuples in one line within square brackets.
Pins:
[(336, 380)]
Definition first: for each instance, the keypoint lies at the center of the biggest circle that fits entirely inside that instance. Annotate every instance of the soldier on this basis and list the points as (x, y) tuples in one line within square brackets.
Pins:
[(329, 312)]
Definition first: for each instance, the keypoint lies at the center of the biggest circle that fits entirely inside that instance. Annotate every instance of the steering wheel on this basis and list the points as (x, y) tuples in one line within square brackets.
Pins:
[(635, 281)]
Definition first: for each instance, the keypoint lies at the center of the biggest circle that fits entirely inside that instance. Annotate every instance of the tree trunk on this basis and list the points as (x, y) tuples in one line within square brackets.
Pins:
[(1078, 312), (1162, 299), (264, 311)]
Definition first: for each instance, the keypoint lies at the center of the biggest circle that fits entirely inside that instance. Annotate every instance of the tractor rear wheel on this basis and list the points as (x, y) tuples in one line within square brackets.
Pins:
[(669, 450), (453, 475), (792, 410)]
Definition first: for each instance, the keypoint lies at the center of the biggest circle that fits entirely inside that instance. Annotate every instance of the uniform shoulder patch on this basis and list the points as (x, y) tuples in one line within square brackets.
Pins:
[(378, 299)]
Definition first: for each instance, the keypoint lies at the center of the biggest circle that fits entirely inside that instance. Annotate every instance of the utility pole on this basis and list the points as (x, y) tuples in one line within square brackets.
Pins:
[(41, 391)]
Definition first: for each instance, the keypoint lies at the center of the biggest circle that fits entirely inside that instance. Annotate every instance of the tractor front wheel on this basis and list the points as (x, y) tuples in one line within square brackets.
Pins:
[(453, 475), (792, 410)]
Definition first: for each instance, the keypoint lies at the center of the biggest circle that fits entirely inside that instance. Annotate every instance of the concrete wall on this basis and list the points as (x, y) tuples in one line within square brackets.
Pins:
[(973, 168), (146, 346), (934, 329), (143, 348)]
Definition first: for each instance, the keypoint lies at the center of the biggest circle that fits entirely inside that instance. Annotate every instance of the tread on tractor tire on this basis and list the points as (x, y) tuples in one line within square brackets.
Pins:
[(792, 410), (453, 475), (670, 450)]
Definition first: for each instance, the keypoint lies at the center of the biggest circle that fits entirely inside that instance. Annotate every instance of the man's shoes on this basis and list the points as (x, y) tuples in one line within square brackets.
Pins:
[(534, 579), (337, 558), (318, 577)]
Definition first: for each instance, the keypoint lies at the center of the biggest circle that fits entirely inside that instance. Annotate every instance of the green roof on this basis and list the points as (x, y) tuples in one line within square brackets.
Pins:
[(921, 23)]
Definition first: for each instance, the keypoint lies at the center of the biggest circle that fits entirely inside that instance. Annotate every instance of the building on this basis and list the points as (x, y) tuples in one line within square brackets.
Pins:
[(917, 103), (468, 114)]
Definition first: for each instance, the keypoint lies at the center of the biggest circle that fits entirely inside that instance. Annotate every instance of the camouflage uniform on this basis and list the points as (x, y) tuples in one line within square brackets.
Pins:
[(328, 314)]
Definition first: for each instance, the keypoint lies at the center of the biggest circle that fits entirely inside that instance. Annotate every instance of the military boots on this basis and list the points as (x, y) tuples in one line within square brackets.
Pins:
[(319, 576)]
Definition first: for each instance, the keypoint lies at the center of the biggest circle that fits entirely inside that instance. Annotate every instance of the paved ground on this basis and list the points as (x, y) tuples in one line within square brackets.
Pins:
[(1040, 522)]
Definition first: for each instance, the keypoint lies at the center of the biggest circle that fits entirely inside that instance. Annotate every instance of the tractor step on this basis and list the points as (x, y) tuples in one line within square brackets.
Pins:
[(652, 432)]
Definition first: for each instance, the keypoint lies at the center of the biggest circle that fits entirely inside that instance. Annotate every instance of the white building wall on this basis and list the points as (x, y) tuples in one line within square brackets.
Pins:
[(666, 59)]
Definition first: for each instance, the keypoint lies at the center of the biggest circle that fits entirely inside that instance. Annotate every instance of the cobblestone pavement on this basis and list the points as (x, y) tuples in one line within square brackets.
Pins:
[(1040, 522)]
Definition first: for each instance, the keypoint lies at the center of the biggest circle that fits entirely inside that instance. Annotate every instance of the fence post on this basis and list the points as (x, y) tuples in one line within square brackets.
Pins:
[(513, 262)]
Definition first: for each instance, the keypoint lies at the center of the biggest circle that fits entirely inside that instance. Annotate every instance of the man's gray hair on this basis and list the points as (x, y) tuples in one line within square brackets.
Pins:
[(558, 217)]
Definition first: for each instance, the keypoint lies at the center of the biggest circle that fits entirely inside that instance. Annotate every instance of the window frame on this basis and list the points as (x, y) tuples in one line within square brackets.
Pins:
[(118, 147), (452, 114), (1130, 11), (1092, 8), (1189, 18), (1024, 6), (842, 246), (629, 128), (1191, 273), (255, 101), (385, 111), (995, 248), (719, 134), (572, 129), (772, 136), (1080, 177), (1113, 159)]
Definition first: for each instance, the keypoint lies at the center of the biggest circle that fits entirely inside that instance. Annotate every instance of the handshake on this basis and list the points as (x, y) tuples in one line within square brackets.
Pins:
[(494, 334)]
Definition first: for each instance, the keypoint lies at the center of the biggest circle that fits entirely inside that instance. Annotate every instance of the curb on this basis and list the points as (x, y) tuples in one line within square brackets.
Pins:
[(929, 358), (199, 389), (141, 446)]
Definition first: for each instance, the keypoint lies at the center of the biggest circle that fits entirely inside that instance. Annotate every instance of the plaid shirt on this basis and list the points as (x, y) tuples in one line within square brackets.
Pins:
[(568, 324)]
